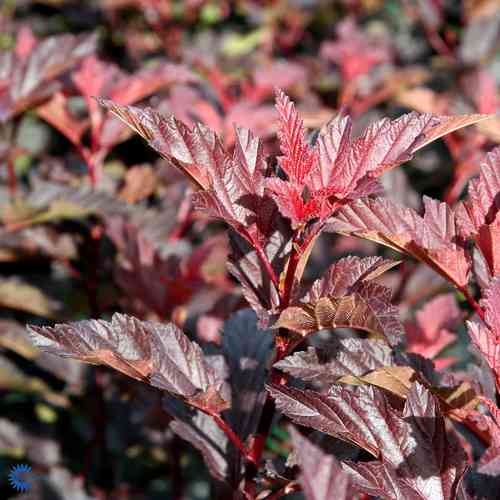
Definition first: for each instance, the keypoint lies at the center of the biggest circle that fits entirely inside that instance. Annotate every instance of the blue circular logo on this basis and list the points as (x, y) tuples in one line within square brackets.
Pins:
[(16, 478)]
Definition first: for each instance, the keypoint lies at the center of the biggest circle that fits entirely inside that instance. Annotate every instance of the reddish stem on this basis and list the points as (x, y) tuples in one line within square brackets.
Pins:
[(283, 346), (267, 265), (12, 177), (472, 301), (291, 269), (223, 425), (258, 444), (289, 278)]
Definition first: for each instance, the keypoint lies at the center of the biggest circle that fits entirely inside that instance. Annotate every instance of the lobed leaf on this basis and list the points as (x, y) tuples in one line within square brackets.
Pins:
[(290, 202), (349, 273), (99, 78), (343, 357), (157, 353), (195, 152), (490, 460), (430, 463), (346, 297), (361, 415), (440, 239), (344, 162), (236, 192), (486, 335), (203, 433), (478, 216), (362, 311), (415, 457), (30, 76), (232, 189), (298, 157), (433, 238), (320, 179)]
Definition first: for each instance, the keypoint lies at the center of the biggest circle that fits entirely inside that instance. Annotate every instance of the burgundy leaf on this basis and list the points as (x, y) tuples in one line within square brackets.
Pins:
[(55, 112), (257, 287), (478, 216), (29, 77), (490, 460), (333, 146), (232, 188), (343, 357), (322, 477), (236, 193), (345, 297), (433, 238), (151, 352), (386, 144), (195, 152), (347, 274), (203, 433), (298, 157), (377, 220), (359, 415), (486, 335), (249, 154), (247, 351), (344, 162), (363, 311), (99, 78), (416, 458), (288, 197), (345, 166), (446, 125), (158, 274), (354, 51), (345, 170), (439, 237), (428, 463)]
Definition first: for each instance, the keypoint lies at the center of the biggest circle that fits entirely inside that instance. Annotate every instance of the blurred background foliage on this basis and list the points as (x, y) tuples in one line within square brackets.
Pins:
[(93, 222)]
